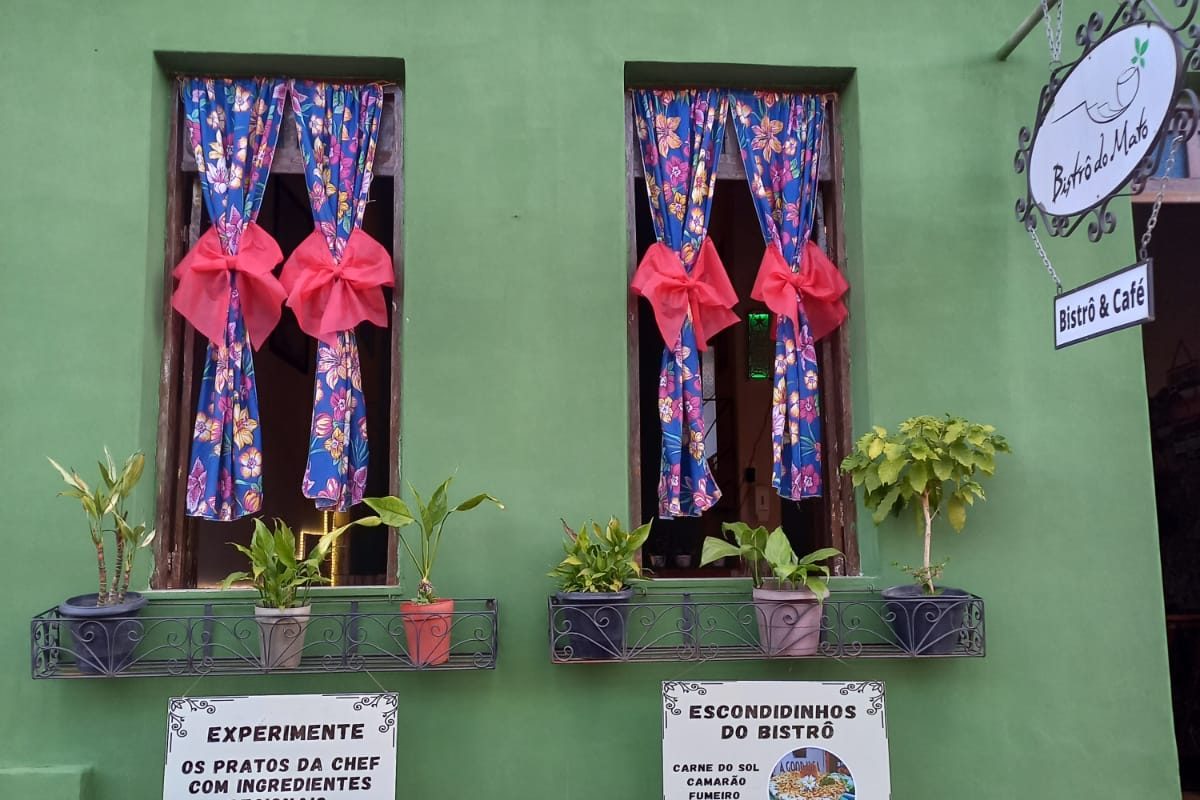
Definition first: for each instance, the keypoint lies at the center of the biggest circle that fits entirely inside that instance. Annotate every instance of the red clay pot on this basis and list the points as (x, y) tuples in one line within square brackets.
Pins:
[(427, 627)]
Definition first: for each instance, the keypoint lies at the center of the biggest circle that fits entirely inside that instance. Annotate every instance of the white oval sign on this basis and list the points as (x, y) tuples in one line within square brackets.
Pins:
[(1105, 117)]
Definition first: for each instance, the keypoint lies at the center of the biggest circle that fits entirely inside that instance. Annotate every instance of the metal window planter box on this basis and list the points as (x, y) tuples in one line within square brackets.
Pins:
[(727, 626), (173, 637)]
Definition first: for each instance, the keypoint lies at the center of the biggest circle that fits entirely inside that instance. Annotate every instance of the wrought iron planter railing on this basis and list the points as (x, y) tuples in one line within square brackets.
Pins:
[(703, 626), (187, 637)]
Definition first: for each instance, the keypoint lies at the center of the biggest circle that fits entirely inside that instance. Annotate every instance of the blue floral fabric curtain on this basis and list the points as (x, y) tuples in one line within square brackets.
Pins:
[(335, 278), (680, 135), (780, 139), (226, 288)]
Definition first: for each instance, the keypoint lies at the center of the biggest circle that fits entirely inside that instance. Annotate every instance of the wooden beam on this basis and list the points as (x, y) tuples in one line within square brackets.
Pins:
[(1179, 190), (393, 127), (166, 453), (633, 160), (835, 353)]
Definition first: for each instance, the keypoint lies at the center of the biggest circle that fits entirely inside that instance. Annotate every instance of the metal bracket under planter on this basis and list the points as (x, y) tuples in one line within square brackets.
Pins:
[(730, 626), (204, 637)]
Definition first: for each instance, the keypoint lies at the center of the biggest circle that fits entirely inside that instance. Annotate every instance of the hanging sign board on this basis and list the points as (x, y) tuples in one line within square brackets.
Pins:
[(776, 740), (1105, 117), (1120, 300), (330, 746)]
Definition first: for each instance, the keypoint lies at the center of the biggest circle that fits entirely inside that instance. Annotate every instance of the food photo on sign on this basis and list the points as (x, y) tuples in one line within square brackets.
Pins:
[(811, 773)]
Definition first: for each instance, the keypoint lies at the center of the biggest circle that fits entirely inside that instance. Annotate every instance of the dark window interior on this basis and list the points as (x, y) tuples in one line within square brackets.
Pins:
[(738, 372), (196, 553)]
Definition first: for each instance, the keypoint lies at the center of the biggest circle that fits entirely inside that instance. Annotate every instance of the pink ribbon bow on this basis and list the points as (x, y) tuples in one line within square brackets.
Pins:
[(329, 296)]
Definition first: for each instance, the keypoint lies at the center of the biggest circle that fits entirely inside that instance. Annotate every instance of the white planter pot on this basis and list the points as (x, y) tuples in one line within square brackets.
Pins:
[(281, 635), (789, 621)]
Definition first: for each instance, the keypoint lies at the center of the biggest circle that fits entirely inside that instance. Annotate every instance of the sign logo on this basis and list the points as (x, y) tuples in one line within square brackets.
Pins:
[(1104, 119)]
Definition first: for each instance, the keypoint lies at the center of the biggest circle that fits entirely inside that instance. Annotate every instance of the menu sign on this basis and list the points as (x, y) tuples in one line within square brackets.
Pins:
[(1104, 118), (775, 740), (284, 747)]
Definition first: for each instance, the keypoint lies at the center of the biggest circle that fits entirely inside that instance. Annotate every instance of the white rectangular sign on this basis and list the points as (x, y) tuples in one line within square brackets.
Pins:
[(311, 746), (775, 740), (1107, 304)]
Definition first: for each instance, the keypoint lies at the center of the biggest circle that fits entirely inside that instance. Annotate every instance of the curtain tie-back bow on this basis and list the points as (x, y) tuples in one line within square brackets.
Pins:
[(329, 295), (706, 293), (205, 278), (818, 284)]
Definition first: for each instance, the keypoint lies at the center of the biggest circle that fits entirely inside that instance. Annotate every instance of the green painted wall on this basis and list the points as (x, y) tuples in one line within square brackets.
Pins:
[(514, 123)]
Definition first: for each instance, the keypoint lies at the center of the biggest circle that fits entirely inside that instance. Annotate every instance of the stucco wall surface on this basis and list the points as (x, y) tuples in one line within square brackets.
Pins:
[(515, 226)]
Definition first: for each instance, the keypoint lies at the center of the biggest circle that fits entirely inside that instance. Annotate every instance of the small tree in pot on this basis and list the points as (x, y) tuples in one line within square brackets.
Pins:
[(103, 634), (595, 584), (283, 581), (789, 607), (428, 619), (931, 464)]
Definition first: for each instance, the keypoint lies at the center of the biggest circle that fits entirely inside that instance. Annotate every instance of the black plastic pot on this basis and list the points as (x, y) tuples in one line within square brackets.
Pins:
[(593, 623), (103, 637), (926, 624)]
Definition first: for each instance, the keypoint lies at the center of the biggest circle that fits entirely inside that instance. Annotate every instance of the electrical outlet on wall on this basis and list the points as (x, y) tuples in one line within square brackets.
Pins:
[(762, 502)]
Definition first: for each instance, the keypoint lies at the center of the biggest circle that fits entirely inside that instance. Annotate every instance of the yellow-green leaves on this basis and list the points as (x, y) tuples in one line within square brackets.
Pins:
[(926, 452), (600, 559)]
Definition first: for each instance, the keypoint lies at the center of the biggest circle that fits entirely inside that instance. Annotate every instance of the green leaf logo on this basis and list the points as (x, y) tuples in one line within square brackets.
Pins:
[(1139, 51)]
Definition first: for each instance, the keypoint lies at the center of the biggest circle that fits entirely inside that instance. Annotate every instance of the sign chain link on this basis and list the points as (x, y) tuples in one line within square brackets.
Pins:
[(1045, 258), (1144, 245), (1054, 32)]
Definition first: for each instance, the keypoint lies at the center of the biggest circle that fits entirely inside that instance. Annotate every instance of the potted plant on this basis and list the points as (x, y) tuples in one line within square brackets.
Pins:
[(101, 626), (283, 581), (595, 584), (427, 617), (931, 465), (789, 607)]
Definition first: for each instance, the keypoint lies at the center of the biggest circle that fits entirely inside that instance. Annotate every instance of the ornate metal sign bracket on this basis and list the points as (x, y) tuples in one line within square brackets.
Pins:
[(1182, 118)]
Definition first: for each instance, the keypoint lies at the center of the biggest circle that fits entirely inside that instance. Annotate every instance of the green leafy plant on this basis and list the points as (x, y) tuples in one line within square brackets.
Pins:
[(104, 507), (754, 546), (281, 578), (931, 464), (430, 520), (600, 559)]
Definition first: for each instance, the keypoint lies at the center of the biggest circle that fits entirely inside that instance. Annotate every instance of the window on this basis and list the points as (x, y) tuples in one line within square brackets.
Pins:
[(737, 371), (193, 552)]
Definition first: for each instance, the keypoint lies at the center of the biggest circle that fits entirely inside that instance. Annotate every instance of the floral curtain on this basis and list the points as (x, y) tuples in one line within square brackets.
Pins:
[(335, 277), (780, 139), (226, 286), (680, 135)]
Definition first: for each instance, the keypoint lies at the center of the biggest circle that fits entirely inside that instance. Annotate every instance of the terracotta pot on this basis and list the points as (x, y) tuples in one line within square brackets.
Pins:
[(789, 621), (281, 636), (427, 628)]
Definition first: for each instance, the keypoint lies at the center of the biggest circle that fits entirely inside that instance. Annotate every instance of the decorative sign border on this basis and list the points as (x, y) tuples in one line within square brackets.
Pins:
[(743, 761), (1182, 118)]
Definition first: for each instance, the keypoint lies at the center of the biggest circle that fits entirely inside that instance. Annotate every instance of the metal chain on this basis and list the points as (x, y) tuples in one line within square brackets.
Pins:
[(1054, 34), (1045, 258), (1144, 245)]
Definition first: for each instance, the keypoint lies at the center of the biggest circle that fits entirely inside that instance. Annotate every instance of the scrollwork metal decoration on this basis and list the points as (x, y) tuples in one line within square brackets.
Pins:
[(1181, 119)]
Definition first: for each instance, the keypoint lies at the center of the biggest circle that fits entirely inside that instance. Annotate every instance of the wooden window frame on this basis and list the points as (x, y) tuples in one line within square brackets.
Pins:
[(175, 565), (834, 350)]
